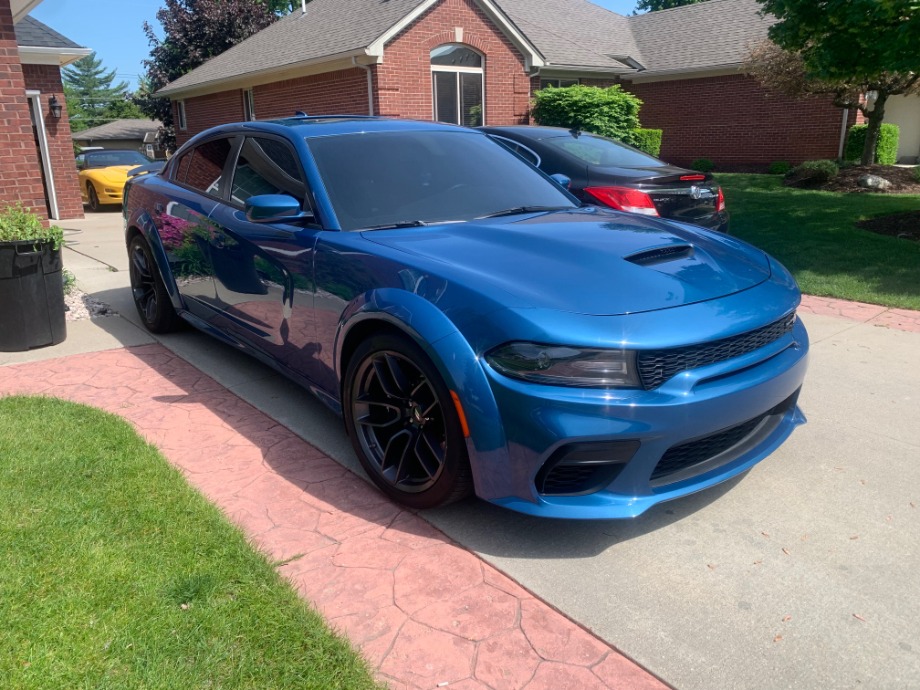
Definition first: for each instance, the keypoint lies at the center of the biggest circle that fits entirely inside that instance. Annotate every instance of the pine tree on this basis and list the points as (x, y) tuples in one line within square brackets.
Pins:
[(92, 99)]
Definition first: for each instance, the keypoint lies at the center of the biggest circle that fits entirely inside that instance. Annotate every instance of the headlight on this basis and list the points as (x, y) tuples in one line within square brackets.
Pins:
[(566, 366)]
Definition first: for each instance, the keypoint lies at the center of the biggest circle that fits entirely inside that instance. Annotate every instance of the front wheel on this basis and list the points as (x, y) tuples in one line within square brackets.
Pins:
[(93, 197), (150, 296), (403, 424)]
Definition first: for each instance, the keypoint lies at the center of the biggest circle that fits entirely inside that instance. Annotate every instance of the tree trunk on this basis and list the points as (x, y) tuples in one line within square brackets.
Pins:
[(874, 117)]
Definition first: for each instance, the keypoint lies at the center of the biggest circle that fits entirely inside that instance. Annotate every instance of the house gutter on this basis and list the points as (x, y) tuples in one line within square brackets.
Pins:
[(370, 84)]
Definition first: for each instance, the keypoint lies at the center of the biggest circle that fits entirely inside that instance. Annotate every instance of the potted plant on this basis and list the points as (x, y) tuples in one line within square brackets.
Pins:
[(31, 282)]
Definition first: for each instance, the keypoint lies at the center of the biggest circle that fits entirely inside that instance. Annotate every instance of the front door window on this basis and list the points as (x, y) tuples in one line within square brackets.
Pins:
[(457, 85)]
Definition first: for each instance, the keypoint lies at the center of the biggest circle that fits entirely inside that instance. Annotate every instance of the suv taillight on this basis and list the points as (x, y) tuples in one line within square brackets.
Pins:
[(720, 201), (624, 199)]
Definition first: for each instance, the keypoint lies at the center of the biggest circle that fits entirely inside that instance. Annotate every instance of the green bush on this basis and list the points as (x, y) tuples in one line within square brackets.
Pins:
[(916, 172), (704, 165), (648, 140), (779, 168), (812, 173), (886, 153), (610, 112), (18, 223)]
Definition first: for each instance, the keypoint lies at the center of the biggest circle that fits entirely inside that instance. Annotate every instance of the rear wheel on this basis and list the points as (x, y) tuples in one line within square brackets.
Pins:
[(403, 424), (93, 197), (150, 296)]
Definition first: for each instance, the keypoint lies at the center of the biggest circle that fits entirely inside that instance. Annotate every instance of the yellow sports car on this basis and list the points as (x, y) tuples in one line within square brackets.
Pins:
[(103, 175)]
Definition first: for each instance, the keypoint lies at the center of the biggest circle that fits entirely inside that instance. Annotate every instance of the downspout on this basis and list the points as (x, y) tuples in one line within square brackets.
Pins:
[(843, 132), (370, 84)]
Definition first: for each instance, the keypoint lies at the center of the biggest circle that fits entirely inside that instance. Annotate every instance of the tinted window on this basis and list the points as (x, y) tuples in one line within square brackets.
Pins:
[(391, 177), (521, 150), (104, 159), (266, 166), (602, 152), (202, 167)]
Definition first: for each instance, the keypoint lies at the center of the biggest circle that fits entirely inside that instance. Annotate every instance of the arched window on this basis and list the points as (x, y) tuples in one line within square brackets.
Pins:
[(457, 85)]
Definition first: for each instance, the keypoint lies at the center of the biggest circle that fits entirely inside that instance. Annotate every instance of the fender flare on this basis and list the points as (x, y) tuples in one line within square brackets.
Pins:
[(145, 226), (449, 351)]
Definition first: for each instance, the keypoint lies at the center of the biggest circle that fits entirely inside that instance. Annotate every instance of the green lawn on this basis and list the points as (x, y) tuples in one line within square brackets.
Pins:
[(114, 573), (814, 236)]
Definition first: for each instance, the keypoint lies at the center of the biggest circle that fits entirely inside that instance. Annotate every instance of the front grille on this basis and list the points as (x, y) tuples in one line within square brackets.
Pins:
[(691, 453), (657, 366)]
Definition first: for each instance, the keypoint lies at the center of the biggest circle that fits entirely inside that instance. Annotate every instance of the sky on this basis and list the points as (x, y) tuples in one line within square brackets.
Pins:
[(114, 28)]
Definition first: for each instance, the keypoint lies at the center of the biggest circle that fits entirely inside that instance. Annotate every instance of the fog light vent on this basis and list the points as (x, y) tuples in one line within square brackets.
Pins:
[(578, 469)]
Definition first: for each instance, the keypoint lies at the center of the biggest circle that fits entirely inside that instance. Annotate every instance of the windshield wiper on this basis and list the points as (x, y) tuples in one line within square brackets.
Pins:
[(398, 224), (525, 209)]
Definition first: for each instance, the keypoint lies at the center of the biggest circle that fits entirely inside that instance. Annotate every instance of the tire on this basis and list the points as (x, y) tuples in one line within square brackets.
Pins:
[(403, 425), (94, 204), (150, 296)]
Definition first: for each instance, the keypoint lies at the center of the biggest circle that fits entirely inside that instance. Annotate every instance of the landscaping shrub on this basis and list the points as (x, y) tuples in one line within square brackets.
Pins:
[(886, 153), (648, 140), (704, 165), (610, 112), (18, 223), (779, 168), (811, 173)]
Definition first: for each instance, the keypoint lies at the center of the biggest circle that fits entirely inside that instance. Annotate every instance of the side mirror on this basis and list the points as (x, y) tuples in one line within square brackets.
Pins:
[(562, 180), (275, 208)]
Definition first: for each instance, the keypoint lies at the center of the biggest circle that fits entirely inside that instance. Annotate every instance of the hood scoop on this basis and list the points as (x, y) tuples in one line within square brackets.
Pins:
[(660, 255)]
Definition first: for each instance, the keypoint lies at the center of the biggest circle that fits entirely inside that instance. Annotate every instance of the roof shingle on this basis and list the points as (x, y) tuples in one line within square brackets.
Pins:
[(32, 33), (119, 129)]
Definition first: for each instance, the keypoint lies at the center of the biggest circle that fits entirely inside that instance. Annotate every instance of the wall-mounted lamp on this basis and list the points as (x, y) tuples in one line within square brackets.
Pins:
[(56, 108)]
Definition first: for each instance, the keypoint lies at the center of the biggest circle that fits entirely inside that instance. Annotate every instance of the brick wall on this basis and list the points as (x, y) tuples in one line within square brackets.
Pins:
[(47, 79), (403, 80), (203, 112), (737, 123), (20, 171), (332, 93)]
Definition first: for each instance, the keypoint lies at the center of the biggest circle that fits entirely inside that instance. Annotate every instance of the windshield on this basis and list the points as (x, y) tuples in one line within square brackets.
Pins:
[(103, 159), (603, 152), (383, 178)]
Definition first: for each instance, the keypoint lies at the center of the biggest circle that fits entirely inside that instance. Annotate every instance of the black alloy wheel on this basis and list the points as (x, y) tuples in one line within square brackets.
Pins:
[(93, 197), (403, 424), (150, 296)]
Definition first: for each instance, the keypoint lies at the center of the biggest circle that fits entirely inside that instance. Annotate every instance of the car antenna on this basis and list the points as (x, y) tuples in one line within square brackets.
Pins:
[(575, 132), (300, 113)]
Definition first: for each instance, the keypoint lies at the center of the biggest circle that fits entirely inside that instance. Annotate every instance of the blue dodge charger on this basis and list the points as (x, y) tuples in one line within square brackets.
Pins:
[(478, 328)]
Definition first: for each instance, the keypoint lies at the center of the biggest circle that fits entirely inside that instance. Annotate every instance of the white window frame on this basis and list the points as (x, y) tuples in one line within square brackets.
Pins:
[(481, 71), (558, 81), (181, 117), (249, 105)]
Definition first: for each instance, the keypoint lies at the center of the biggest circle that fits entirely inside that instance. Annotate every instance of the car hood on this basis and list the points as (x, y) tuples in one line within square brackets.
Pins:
[(587, 261), (113, 173)]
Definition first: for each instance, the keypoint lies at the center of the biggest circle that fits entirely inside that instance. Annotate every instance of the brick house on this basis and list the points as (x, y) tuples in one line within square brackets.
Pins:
[(36, 153), (480, 61)]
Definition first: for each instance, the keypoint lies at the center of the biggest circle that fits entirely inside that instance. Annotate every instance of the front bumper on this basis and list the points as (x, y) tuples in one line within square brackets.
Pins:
[(739, 411)]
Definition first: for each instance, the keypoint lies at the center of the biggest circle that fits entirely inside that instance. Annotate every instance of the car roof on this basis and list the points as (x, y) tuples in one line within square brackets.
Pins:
[(532, 132), (328, 125)]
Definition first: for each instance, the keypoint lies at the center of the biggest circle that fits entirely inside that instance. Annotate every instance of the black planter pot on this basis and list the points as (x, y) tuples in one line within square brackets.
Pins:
[(31, 296)]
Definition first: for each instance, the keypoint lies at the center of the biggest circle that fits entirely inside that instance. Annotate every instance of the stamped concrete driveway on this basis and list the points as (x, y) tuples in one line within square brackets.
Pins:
[(802, 573)]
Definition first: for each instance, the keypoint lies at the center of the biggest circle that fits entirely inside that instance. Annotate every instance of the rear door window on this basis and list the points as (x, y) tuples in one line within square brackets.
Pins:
[(202, 168)]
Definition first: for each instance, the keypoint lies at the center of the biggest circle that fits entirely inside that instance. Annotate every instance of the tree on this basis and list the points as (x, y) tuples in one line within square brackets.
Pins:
[(860, 51), (193, 32), (654, 5), (92, 99)]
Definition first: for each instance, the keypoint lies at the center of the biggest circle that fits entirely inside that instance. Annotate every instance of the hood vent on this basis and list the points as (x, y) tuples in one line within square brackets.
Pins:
[(658, 255)]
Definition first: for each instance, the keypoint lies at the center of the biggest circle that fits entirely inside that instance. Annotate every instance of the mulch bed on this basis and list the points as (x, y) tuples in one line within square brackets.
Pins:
[(903, 225), (902, 180)]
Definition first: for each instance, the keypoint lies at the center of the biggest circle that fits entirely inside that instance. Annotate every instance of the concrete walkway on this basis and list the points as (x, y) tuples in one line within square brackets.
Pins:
[(802, 573)]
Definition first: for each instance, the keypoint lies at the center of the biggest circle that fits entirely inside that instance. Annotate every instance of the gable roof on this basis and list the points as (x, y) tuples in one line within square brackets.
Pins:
[(575, 33), (563, 35), (707, 35), (32, 33), (40, 44), (119, 129)]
